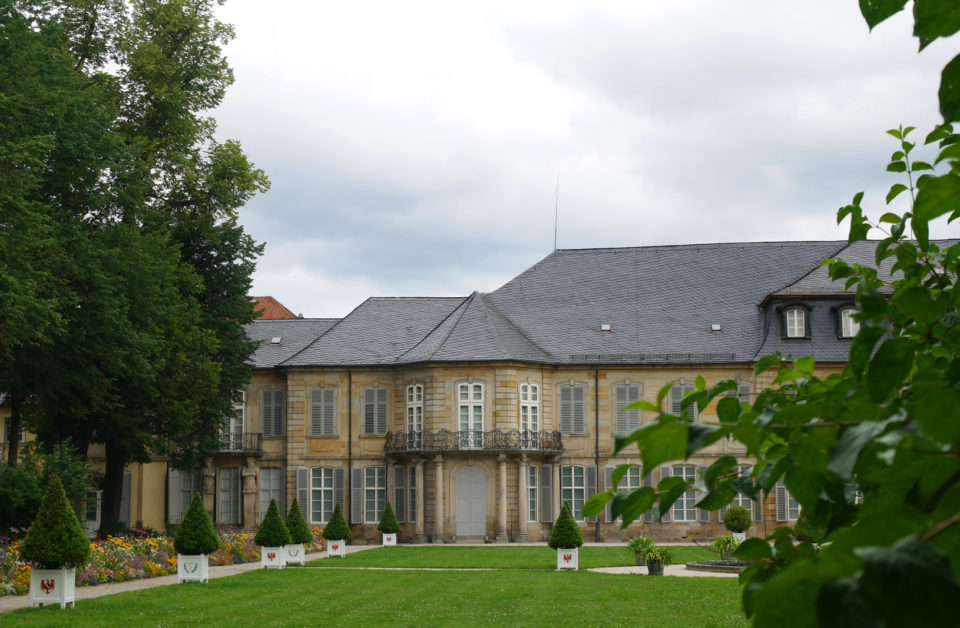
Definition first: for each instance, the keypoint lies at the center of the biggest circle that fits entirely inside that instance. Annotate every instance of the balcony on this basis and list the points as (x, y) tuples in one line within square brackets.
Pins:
[(242, 443), (497, 441)]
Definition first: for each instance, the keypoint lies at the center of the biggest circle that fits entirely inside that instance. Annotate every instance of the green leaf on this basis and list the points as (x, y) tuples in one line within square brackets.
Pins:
[(933, 19), (805, 485), (642, 405), (896, 166), (876, 11), (937, 196), (632, 504), (663, 440), (766, 362), (844, 455), (940, 133), (951, 152), (895, 132), (950, 91), (619, 472), (596, 503), (841, 602), (889, 368), (728, 409), (920, 165), (916, 302), (805, 365), (718, 498), (754, 549), (701, 435), (938, 415), (662, 393)]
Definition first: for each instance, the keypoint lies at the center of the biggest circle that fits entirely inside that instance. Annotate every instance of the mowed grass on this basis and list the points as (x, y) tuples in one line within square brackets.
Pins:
[(500, 557), (356, 597)]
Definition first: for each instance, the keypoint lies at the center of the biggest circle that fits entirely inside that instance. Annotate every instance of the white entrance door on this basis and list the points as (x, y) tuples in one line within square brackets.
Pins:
[(470, 484)]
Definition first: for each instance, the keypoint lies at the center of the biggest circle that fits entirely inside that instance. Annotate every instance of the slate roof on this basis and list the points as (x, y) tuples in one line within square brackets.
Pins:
[(294, 334)]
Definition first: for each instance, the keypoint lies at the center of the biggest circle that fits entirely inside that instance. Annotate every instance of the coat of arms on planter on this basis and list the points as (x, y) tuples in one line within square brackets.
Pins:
[(47, 586)]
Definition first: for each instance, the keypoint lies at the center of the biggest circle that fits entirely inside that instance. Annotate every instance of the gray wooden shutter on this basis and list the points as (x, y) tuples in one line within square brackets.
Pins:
[(173, 496), (743, 392), (608, 483), (266, 412), (400, 492), (676, 396), (566, 409), (633, 416), (412, 506), (757, 506), (369, 410), (665, 473), (546, 493), (329, 415), (621, 400), (704, 514), (591, 488), (356, 495), (381, 410), (721, 513), (339, 479), (316, 412), (303, 491), (579, 425), (781, 501), (648, 481)]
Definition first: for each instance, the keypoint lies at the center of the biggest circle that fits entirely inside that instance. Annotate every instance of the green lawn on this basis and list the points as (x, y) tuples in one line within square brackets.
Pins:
[(500, 556), (348, 597)]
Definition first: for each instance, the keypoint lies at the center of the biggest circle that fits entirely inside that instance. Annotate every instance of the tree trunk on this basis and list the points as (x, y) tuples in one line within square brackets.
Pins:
[(112, 489), (13, 435)]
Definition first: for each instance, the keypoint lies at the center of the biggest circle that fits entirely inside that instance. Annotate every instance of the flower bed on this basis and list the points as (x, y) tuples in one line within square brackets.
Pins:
[(134, 556)]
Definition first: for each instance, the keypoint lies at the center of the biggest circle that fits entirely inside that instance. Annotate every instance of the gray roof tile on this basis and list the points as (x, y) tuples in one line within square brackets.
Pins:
[(294, 334)]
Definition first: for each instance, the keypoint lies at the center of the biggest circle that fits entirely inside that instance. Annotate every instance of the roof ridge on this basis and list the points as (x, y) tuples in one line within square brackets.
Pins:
[(698, 245), (464, 301), (328, 330), (509, 322)]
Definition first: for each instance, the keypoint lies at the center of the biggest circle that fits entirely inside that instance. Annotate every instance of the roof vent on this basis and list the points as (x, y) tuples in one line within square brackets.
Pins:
[(715, 328), (275, 340), (605, 327)]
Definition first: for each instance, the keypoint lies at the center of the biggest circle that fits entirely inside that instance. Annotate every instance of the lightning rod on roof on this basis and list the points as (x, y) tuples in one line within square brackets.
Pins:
[(556, 205)]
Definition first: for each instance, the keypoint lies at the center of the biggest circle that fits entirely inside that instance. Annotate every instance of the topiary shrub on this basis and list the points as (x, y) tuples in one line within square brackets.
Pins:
[(273, 531), (337, 529), (298, 528), (56, 538), (388, 521), (196, 535), (566, 533), (737, 519)]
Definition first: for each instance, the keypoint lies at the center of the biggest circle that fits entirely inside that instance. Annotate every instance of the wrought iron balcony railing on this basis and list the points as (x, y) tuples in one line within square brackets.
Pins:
[(249, 443), (473, 440)]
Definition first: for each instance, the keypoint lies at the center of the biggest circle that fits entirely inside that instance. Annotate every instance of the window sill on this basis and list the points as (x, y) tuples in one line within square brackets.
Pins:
[(324, 436)]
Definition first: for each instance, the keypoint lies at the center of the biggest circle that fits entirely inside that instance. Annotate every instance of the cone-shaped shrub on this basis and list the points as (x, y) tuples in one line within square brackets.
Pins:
[(337, 529), (273, 531), (196, 534), (388, 521), (566, 533), (56, 538), (298, 528), (737, 519)]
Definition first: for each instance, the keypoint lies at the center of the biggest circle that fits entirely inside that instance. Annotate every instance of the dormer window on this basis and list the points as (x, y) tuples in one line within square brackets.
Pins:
[(848, 326), (795, 322)]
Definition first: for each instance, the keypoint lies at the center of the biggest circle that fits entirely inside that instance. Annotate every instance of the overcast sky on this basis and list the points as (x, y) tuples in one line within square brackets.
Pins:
[(414, 147)]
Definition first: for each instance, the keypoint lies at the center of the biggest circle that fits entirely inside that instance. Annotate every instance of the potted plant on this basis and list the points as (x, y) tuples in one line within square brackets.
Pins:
[(639, 546), (726, 545), (737, 520), (195, 541), (656, 557), (389, 526), (337, 533), (300, 534), (55, 546), (271, 537), (566, 538)]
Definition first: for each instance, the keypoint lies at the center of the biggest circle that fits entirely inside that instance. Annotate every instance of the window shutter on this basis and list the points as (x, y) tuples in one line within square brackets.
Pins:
[(633, 416), (316, 412), (369, 411), (676, 396), (303, 493), (648, 481), (566, 409), (665, 473), (781, 501), (356, 495), (400, 492), (722, 512), (608, 483), (783, 324), (579, 427), (806, 323), (339, 479), (591, 488), (412, 506), (266, 412), (173, 496), (546, 493), (329, 418), (621, 413), (703, 514), (757, 506), (381, 410), (743, 391)]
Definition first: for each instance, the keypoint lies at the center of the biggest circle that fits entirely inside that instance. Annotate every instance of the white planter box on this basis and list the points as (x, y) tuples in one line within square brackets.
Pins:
[(568, 558), (272, 557), (193, 567), (389, 539), (336, 548), (53, 586), (294, 553), (740, 536)]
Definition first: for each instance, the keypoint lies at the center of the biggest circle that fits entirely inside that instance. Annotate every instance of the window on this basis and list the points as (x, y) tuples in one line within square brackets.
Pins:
[(375, 493), (796, 323), (321, 494), (788, 509), (532, 500), (414, 415), (470, 412), (848, 326), (742, 499), (743, 391), (677, 393), (271, 412), (529, 409), (412, 488), (627, 420), (630, 481), (6, 430), (189, 484), (573, 489), (685, 509), (572, 409), (375, 411), (228, 496), (271, 487), (322, 412)]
